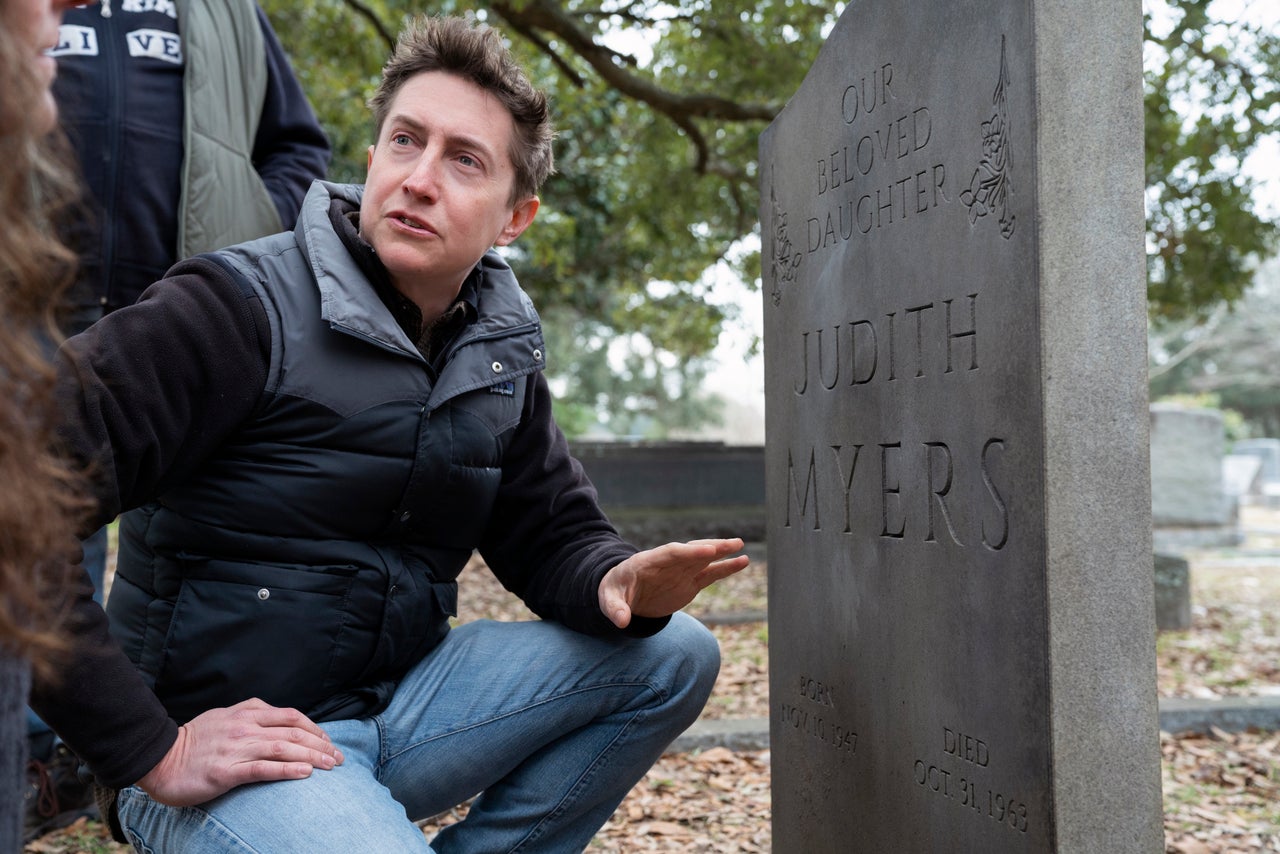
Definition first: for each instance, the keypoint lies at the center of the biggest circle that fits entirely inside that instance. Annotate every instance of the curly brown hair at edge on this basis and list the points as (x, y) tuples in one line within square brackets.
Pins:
[(39, 501), (39, 504)]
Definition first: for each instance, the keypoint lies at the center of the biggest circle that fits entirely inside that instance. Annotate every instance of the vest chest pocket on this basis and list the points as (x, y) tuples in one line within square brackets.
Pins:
[(458, 470), (495, 409)]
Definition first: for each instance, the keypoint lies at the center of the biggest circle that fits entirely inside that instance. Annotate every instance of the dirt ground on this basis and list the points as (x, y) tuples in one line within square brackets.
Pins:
[(1221, 790)]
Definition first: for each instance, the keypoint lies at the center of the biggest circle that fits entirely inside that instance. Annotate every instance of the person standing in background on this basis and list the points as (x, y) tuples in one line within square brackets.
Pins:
[(192, 133), (39, 505)]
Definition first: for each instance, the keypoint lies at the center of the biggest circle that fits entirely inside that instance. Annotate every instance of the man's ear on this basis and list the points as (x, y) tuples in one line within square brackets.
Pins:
[(370, 161), (521, 216)]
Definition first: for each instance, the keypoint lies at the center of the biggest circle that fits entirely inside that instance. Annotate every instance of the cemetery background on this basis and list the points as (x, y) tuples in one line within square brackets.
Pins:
[(1222, 785)]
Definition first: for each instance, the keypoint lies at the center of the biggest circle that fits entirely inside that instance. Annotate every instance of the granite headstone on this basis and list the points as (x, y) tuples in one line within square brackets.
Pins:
[(1190, 506), (1173, 592), (959, 524)]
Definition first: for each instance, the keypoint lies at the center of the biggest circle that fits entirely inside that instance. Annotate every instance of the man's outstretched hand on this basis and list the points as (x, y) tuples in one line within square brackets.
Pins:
[(250, 742), (661, 581)]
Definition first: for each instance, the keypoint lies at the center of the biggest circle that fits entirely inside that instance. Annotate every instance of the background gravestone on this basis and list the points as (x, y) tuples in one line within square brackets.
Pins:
[(959, 532), (1267, 454), (1190, 506), (1173, 592)]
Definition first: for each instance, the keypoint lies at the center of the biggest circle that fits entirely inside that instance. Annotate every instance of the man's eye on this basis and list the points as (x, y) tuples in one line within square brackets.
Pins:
[(468, 160), (401, 139)]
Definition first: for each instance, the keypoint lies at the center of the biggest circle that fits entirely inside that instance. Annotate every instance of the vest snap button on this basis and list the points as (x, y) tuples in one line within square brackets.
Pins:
[(497, 367), (264, 594), (537, 355)]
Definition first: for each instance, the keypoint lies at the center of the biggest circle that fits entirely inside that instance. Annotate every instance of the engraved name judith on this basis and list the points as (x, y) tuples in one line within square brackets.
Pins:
[(850, 354)]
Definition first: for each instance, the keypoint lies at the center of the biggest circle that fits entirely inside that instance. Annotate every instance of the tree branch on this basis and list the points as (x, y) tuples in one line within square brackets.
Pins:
[(372, 17), (1202, 342), (543, 45), (609, 64)]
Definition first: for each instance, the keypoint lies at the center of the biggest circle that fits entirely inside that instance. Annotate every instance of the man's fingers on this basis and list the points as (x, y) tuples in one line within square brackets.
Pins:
[(722, 546), (297, 744), (265, 771), (291, 725), (246, 743), (317, 740), (617, 610), (286, 752), (275, 716), (722, 569)]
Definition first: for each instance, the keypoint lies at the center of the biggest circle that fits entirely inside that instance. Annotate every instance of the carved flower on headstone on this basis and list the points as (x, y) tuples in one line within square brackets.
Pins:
[(993, 141), (990, 187)]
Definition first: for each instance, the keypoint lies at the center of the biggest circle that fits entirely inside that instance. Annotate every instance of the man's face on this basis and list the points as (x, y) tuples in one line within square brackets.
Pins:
[(438, 192)]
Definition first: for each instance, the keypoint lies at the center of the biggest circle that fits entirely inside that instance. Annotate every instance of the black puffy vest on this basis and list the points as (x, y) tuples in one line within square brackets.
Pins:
[(312, 560)]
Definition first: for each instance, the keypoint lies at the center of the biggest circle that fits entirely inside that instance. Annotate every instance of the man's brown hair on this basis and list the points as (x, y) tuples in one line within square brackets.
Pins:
[(476, 53)]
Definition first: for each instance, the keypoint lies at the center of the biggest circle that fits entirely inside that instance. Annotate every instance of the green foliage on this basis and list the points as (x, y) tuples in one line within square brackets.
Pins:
[(1212, 97), (338, 56), (659, 107), (1226, 360)]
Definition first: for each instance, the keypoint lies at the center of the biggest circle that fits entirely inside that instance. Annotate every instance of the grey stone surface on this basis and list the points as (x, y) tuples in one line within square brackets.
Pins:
[(958, 479), (1187, 448), (1242, 476), (1267, 452), (733, 733), (1229, 714), (1173, 593)]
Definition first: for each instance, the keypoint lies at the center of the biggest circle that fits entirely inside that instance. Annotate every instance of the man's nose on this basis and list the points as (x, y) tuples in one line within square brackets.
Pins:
[(424, 180)]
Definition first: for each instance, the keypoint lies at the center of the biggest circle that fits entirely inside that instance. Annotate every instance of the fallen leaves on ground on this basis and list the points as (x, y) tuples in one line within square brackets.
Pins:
[(713, 801), (706, 802), (1221, 792)]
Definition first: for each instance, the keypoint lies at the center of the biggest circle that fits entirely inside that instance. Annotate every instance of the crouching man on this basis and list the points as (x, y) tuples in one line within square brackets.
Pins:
[(311, 432)]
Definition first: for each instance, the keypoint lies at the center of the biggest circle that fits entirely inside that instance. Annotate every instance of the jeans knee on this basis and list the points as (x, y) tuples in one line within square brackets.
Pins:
[(698, 652)]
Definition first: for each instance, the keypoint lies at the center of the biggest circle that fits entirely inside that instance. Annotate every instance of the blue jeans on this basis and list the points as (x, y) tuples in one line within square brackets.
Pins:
[(550, 727), (95, 560)]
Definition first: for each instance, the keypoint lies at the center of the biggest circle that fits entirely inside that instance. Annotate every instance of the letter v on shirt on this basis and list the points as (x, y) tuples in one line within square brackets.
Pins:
[(156, 44)]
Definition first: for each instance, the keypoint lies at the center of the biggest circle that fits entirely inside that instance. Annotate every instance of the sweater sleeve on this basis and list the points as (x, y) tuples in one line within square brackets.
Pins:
[(547, 539), (146, 393), (290, 150), (150, 390), (100, 705)]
